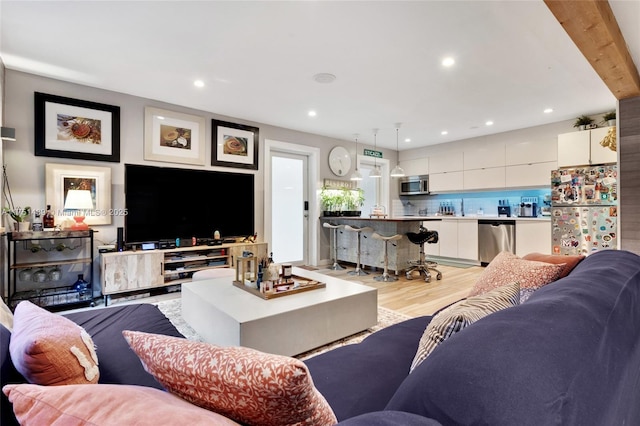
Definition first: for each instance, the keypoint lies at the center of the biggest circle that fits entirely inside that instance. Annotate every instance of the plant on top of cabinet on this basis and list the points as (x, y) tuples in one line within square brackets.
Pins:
[(582, 122), (609, 118)]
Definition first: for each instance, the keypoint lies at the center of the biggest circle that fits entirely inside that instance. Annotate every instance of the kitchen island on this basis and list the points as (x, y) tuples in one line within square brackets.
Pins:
[(400, 252)]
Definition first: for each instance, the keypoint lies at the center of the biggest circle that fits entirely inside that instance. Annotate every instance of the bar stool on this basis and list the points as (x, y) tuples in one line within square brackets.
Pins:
[(423, 266), (336, 266), (385, 277), (358, 270)]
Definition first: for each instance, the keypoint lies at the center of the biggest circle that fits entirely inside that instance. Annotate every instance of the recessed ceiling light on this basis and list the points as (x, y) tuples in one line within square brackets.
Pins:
[(198, 83), (548, 111), (489, 123), (448, 62), (407, 140), (312, 113), (444, 132), (324, 77)]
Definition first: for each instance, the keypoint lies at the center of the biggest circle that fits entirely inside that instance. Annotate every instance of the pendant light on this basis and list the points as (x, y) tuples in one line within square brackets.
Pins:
[(397, 170), (356, 175), (376, 173)]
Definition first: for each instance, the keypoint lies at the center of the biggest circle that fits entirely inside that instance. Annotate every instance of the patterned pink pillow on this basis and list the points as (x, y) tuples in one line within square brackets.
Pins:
[(506, 268), (105, 405), (244, 384), (49, 349)]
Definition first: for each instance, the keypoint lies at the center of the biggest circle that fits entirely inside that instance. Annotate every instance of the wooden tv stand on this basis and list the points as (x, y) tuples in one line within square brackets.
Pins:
[(129, 271)]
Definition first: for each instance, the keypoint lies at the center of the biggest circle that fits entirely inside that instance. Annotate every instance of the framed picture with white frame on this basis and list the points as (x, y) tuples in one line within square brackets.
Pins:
[(173, 137), (61, 178)]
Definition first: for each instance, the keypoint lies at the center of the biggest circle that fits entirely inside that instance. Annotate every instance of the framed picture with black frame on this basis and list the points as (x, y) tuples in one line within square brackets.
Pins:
[(73, 128), (234, 145)]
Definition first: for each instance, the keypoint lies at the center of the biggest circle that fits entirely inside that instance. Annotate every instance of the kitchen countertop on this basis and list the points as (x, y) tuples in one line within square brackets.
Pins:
[(427, 218)]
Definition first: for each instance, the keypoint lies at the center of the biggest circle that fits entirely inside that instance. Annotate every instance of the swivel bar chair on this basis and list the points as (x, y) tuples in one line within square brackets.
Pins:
[(358, 270), (336, 266), (423, 266), (385, 277)]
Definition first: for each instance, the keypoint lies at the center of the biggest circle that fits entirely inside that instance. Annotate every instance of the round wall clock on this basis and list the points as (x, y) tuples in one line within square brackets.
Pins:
[(339, 161)]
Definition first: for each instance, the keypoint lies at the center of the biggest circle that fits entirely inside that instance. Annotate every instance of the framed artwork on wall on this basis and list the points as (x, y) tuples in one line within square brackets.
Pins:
[(173, 137), (234, 145), (73, 128), (61, 178)]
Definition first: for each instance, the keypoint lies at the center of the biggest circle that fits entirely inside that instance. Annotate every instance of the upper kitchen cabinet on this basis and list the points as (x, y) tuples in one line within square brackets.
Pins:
[(445, 172), (530, 163), (583, 148), (416, 166), (486, 156)]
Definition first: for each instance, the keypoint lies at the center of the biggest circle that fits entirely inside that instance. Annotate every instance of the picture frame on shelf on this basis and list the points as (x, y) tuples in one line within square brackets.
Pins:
[(60, 178), (74, 128), (174, 137), (234, 145)]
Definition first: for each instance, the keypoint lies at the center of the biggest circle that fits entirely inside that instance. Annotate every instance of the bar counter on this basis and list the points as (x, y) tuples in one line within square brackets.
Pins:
[(372, 251)]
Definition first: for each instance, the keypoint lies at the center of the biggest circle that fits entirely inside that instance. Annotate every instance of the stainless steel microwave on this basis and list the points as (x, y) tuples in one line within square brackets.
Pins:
[(414, 185)]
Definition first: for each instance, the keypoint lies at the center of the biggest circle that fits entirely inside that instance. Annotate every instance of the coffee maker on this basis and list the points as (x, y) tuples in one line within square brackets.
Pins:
[(528, 207)]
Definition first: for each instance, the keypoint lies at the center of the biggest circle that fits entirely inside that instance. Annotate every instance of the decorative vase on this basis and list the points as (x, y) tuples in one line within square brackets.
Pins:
[(22, 226)]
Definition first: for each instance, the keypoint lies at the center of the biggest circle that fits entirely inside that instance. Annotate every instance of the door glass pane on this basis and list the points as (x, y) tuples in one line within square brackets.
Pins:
[(287, 209), (371, 188)]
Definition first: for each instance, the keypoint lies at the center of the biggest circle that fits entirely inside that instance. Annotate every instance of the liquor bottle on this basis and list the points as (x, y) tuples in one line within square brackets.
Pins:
[(48, 221), (37, 222), (81, 285)]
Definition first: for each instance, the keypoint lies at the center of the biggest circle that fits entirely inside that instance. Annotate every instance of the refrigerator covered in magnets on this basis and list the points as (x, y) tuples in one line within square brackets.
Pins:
[(584, 209)]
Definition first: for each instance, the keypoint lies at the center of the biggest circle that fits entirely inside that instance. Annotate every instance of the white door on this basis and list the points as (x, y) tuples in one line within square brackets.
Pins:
[(289, 208)]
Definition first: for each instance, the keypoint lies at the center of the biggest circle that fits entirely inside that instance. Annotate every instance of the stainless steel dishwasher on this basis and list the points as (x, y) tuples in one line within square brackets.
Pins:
[(495, 236)]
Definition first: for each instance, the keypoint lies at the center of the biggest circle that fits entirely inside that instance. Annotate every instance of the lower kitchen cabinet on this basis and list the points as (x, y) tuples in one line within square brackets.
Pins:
[(533, 236), (458, 238)]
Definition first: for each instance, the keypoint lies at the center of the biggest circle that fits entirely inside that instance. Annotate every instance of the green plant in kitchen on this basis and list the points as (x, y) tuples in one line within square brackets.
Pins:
[(331, 200), (609, 118), (352, 199), (582, 122)]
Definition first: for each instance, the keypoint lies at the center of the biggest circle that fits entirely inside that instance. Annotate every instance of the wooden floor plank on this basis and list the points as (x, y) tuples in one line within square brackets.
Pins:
[(416, 297)]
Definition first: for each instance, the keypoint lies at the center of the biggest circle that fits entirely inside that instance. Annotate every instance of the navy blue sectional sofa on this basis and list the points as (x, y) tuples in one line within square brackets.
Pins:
[(570, 355)]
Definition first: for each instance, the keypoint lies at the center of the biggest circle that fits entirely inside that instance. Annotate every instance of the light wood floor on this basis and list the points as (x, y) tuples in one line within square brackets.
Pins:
[(416, 297)]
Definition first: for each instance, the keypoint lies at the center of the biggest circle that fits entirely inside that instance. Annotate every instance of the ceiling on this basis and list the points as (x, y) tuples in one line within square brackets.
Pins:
[(257, 60)]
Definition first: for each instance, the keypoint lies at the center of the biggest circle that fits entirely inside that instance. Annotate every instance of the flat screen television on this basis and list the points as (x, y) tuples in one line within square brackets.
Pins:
[(166, 203)]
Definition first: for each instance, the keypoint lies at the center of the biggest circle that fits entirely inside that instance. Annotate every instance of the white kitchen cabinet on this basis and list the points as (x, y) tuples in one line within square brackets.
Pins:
[(448, 181), (601, 154), (527, 175), (415, 167), (458, 238), (531, 152), (468, 239), (485, 156), (432, 249), (448, 237), (583, 148), (533, 236), (446, 162), (489, 178)]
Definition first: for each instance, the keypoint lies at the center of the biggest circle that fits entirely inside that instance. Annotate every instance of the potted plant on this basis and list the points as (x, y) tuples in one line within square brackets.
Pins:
[(331, 201), (582, 122), (352, 199), (20, 216), (609, 118)]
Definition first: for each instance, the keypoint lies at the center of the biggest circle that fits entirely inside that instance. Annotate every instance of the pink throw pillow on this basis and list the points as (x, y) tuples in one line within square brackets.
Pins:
[(506, 268), (49, 349), (247, 385), (105, 405)]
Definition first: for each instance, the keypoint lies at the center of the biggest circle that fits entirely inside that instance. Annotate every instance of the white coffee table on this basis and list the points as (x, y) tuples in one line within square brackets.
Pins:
[(225, 315)]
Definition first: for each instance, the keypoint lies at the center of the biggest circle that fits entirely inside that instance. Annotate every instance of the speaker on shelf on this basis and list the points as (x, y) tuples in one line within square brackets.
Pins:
[(120, 241)]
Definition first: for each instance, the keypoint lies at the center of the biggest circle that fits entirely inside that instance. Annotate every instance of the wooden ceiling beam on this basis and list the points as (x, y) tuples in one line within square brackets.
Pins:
[(595, 31)]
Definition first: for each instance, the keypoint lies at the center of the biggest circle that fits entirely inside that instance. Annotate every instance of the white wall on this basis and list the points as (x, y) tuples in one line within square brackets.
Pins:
[(26, 171)]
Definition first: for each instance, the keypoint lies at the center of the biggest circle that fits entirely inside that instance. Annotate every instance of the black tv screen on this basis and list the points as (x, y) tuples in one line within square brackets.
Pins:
[(167, 203)]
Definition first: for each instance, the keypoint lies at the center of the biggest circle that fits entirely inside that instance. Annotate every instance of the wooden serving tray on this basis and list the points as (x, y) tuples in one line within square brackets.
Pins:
[(275, 294)]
